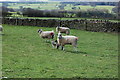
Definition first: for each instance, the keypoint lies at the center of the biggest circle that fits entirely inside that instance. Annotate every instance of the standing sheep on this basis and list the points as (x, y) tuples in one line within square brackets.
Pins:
[(46, 34), (63, 40), (63, 30)]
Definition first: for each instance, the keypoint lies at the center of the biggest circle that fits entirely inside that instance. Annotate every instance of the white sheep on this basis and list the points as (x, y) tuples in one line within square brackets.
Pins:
[(46, 34), (63, 40), (1, 28), (63, 30)]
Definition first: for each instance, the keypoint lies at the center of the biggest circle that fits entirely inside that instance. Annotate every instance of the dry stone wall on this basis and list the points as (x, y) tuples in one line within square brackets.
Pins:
[(83, 24)]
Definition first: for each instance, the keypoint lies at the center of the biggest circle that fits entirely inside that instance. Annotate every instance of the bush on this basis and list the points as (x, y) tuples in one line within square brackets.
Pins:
[(117, 10), (41, 13), (32, 12), (96, 13)]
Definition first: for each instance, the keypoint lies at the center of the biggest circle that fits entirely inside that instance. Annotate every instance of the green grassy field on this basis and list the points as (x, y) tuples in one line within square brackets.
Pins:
[(26, 55), (45, 6), (54, 5), (87, 7)]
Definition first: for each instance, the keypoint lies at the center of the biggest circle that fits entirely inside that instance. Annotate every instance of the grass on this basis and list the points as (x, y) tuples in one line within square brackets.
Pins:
[(45, 6), (26, 55), (54, 5), (87, 7)]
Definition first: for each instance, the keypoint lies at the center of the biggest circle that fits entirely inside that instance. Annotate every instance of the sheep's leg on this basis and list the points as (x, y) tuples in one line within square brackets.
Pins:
[(52, 36), (53, 46), (62, 47), (75, 48), (57, 46), (47, 41)]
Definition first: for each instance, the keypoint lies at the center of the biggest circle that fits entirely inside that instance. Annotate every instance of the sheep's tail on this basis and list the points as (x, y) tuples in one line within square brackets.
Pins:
[(76, 38)]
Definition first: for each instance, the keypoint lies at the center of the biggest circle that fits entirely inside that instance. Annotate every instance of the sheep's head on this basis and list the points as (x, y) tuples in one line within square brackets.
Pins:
[(39, 30), (54, 43), (59, 35)]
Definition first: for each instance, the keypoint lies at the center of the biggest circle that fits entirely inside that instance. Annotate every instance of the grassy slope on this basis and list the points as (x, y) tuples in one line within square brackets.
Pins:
[(109, 8), (25, 54), (48, 6), (54, 5)]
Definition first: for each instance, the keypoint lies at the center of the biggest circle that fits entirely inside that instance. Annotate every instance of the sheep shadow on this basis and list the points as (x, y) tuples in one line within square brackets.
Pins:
[(76, 52)]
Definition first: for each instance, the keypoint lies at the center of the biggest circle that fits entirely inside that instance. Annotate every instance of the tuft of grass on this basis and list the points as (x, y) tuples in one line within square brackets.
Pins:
[(26, 55)]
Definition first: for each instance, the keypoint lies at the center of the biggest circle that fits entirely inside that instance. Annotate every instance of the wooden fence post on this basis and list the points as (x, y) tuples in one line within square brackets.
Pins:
[(86, 24), (16, 21)]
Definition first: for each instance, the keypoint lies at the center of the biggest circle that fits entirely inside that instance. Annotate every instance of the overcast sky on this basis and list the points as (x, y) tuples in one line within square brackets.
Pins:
[(68, 0), (9, 0)]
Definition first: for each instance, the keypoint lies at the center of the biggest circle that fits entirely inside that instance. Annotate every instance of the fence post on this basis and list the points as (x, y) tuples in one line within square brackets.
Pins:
[(86, 24), (16, 21), (60, 21)]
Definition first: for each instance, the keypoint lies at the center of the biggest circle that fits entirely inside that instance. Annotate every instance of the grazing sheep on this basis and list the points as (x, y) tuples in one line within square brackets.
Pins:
[(63, 40), (63, 30), (1, 28), (46, 34)]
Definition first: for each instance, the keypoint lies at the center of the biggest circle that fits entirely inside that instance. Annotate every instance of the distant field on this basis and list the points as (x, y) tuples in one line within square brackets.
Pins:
[(47, 6), (54, 5), (26, 55), (109, 8)]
